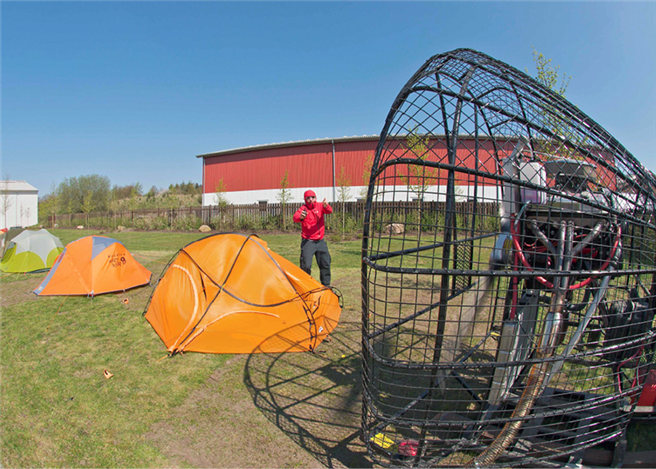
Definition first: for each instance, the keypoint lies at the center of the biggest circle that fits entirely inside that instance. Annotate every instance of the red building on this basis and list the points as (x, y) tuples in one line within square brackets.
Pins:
[(252, 174)]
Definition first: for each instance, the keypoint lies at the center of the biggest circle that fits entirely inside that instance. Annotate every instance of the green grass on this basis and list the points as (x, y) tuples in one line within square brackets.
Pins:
[(136, 240), (57, 408)]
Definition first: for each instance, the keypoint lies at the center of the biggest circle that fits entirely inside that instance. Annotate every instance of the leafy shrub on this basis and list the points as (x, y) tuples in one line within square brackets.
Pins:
[(186, 223), (151, 223), (273, 222), (218, 223), (247, 223)]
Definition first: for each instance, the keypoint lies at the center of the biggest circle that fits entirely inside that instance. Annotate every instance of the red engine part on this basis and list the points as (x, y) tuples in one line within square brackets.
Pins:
[(648, 395)]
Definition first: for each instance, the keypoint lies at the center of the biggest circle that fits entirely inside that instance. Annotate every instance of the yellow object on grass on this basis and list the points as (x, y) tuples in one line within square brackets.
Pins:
[(382, 440)]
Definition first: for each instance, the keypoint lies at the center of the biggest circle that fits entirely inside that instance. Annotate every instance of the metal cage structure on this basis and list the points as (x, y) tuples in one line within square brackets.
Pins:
[(508, 275)]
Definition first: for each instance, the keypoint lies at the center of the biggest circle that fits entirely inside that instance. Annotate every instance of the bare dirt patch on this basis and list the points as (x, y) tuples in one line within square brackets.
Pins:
[(273, 410), (218, 426), (18, 291)]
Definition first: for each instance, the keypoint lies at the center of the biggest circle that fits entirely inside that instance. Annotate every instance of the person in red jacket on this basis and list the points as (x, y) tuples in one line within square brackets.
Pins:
[(310, 216)]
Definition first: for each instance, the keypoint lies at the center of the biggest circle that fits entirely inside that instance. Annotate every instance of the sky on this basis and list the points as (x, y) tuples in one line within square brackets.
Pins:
[(135, 90)]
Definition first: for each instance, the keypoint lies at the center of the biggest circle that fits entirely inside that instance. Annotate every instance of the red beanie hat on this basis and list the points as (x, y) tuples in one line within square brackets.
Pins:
[(309, 193)]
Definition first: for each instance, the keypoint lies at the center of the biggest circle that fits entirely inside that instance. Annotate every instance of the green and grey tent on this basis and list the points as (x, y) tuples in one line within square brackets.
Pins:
[(31, 251)]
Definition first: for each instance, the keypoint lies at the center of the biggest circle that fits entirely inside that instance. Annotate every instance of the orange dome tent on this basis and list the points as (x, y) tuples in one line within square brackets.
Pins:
[(91, 266), (229, 293)]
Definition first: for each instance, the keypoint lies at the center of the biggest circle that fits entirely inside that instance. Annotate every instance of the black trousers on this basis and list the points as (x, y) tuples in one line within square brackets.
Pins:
[(318, 249)]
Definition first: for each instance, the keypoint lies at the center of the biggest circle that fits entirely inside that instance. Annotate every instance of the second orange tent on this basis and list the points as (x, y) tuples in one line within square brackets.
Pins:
[(93, 265)]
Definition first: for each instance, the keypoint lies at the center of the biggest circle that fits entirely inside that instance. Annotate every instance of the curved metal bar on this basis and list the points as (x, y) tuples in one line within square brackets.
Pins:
[(551, 239)]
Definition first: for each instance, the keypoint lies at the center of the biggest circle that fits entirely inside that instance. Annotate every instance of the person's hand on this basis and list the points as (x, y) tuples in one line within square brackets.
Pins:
[(325, 204), (303, 214)]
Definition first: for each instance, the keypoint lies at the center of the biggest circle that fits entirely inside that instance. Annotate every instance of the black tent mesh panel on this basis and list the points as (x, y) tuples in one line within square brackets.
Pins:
[(507, 276)]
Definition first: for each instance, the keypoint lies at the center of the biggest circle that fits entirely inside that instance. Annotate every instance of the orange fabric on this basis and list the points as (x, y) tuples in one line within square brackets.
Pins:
[(78, 272), (229, 293)]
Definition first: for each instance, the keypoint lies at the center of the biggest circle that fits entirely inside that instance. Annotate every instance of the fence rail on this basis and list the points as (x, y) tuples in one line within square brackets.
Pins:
[(253, 216)]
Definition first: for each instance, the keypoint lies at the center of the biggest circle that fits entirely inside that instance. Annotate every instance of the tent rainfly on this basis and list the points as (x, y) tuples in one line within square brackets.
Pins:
[(91, 266), (6, 235), (31, 251), (229, 293)]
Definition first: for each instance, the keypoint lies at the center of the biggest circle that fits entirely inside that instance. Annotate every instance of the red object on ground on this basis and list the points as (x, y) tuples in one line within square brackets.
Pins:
[(648, 395), (408, 448)]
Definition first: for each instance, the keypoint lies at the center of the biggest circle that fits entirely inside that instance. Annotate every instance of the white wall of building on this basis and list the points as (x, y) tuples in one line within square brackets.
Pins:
[(19, 204), (491, 193), (271, 195)]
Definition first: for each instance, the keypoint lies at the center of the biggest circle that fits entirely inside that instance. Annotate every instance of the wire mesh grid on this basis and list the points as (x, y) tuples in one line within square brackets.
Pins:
[(508, 274)]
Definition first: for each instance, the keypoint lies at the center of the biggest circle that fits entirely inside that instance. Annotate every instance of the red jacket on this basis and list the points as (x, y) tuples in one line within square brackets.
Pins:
[(313, 226)]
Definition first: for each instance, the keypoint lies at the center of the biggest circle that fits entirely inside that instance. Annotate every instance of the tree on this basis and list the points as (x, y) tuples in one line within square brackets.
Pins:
[(136, 189), (549, 76), (100, 188), (48, 204), (186, 188), (46, 207), (366, 174), (127, 192), (284, 196), (151, 193), (84, 194), (343, 194), (419, 176), (87, 202), (220, 198), (5, 199), (65, 196)]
